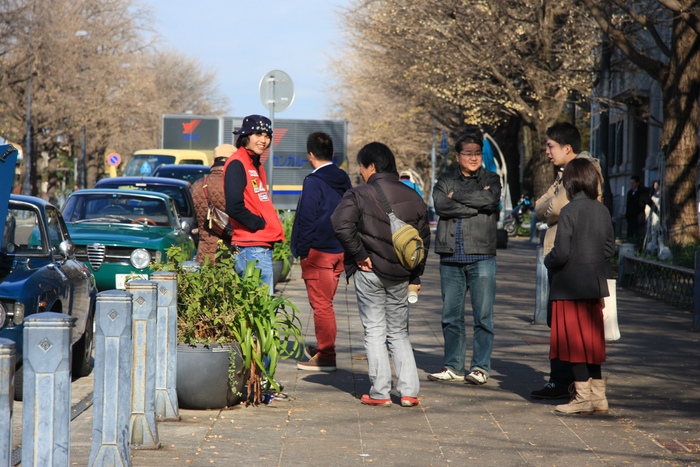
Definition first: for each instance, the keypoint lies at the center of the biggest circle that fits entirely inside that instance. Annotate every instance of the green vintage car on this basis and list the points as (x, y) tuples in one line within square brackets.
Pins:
[(118, 233)]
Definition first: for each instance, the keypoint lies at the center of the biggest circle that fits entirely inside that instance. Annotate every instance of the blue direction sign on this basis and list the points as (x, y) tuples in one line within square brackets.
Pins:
[(443, 142)]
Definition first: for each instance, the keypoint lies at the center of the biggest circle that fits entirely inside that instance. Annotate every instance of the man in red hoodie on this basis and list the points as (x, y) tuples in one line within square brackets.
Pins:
[(256, 225)]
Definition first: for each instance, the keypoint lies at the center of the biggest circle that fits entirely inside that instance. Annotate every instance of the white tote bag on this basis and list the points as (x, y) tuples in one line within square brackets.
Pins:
[(612, 331)]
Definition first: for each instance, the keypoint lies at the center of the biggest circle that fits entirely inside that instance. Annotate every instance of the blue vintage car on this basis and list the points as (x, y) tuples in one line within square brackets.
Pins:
[(119, 233), (39, 272)]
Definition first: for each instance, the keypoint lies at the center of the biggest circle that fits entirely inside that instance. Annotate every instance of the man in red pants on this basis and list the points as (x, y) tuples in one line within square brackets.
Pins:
[(313, 240)]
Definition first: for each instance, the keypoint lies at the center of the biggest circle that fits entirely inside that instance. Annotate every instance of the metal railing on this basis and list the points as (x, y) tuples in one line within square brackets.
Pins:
[(672, 284)]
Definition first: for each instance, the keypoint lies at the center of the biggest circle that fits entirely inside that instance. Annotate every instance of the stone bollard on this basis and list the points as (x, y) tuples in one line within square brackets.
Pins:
[(166, 347), (47, 391), (696, 296), (542, 294), (624, 250), (112, 391), (7, 396), (142, 425)]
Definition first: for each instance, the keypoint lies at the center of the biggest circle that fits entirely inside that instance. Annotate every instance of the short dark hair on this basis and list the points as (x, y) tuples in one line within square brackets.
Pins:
[(378, 154), (321, 145), (242, 141), (581, 175), (636, 178), (468, 138), (565, 133)]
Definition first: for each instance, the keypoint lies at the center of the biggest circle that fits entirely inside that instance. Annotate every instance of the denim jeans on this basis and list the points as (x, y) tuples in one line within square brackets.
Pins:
[(383, 306), (479, 279), (264, 257)]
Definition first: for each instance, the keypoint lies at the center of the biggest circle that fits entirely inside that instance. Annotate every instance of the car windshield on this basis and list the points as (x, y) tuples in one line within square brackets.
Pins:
[(23, 234), (116, 208), (188, 175), (143, 165), (182, 201)]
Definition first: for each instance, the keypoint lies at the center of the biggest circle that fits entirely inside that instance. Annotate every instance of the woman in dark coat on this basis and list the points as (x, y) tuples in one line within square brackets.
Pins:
[(584, 242)]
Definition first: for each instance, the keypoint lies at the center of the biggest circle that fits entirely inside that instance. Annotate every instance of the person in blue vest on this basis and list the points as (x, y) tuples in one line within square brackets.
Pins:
[(406, 179)]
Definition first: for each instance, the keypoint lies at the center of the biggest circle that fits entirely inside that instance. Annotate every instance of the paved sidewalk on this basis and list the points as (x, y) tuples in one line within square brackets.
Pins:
[(654, 395)]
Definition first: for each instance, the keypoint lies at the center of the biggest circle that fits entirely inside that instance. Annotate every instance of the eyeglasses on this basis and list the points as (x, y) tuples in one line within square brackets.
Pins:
[(471, 155)]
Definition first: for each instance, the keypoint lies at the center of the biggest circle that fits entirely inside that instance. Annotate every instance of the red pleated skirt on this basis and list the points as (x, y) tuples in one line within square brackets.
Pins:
[(577, 334)]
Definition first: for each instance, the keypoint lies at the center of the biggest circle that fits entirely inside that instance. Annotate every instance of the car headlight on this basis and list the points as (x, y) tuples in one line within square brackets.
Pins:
[(140, 258), (18, 315)]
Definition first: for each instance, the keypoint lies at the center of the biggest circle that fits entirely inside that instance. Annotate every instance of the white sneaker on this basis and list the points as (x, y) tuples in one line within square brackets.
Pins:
[(477, 377), (445, 375)]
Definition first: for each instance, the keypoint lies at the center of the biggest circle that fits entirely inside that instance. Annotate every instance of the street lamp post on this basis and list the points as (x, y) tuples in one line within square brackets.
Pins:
[(82, 33)]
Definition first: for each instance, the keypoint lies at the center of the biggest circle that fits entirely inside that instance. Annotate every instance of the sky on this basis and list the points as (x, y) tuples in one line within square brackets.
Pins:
[(244, 40)]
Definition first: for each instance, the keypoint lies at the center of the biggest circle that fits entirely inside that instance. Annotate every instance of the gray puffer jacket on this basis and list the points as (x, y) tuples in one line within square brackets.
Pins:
[(472, 202)]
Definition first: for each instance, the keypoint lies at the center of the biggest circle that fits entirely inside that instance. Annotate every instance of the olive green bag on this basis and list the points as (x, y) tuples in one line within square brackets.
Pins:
[(407, 242)]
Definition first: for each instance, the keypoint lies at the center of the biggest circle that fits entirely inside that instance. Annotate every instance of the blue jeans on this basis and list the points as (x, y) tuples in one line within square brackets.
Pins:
[(456, 280), (383, 306), (264, 257)]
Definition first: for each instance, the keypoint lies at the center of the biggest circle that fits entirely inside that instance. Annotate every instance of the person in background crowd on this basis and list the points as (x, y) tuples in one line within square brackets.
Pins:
[(563, 146), (407, 179), (313, 240), (256, 225), (467, 202), (381, 282), (206, 190), (638, 198), (584, 242)]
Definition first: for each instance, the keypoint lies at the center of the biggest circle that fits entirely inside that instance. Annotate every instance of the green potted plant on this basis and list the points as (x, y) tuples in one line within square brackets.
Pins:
[(216, 307), (282, 257)]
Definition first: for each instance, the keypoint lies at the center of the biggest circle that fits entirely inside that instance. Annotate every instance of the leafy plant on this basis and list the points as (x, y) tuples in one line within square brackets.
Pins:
[(282, 251), (215, 305)]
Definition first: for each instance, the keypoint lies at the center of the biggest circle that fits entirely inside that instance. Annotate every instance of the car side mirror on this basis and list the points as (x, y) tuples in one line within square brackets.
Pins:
[(185, 226), (67, 249)]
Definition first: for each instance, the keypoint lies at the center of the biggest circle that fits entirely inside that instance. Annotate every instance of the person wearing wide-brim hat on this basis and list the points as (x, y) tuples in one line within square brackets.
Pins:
[(256, 225)]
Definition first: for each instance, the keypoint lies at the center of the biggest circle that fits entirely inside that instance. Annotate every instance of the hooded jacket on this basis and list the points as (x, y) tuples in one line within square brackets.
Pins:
[(362, 226), (320, 195)]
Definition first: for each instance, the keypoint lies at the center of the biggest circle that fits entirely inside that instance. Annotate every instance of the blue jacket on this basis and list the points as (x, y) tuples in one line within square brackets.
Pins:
[(320, 195)]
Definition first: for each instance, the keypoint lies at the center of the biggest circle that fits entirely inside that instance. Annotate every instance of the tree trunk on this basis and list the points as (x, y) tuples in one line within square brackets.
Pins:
[(679, 138), (538, 165)]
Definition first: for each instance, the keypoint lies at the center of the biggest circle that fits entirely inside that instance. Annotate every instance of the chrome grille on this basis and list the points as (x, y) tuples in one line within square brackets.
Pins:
[(96, 255)]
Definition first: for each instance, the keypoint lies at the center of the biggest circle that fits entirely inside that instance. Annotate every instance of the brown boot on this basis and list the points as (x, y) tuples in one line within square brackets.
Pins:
[(581, 403), (600, 403)]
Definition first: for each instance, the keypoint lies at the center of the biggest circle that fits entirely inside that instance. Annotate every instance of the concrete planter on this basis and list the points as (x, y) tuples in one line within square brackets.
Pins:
[(203, 375)]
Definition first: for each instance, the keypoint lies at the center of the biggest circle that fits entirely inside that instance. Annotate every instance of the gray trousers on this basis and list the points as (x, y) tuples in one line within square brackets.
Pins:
[(383, 306)]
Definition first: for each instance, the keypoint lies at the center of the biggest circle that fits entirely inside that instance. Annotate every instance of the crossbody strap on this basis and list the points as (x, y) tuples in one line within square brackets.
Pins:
[(206, 193), (387, 207)]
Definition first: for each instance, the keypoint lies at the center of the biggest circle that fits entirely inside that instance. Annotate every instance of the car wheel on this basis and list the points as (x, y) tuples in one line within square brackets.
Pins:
[(19, 383), (82, 350)]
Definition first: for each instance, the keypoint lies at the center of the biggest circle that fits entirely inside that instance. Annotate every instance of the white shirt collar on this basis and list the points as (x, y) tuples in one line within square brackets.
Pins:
[(322, 166)]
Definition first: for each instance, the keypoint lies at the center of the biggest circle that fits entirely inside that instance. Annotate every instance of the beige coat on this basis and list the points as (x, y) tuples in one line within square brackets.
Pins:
[(548, 206)]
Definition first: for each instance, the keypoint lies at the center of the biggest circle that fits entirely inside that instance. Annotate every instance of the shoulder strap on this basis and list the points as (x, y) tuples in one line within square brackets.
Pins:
[(387, 207), (206, 194)]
